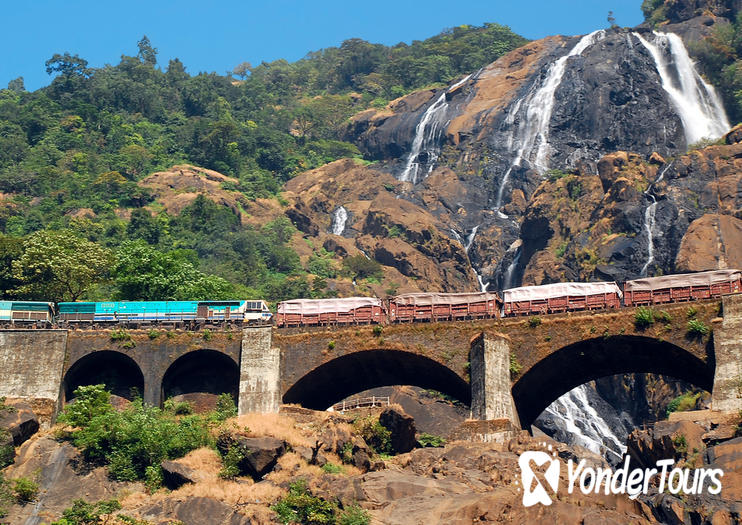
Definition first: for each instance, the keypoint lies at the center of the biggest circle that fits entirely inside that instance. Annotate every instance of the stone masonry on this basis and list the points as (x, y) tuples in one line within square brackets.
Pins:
[(727, 392)]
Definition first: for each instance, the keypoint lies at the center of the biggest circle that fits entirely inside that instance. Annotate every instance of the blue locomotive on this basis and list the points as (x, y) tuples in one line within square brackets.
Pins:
[(176, 312), (19, 314)]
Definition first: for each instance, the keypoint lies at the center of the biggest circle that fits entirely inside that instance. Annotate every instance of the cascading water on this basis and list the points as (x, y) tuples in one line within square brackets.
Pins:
[(470, 238), (649, 215), (649, 220), (578, 422), (509, 278), (695, 101), (339, 218), (427, 138), (533, 113)]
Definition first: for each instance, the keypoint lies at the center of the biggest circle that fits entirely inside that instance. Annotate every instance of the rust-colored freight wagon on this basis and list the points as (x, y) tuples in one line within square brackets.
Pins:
[(561, 297), (349, 310), (443, 306), (682, 287)]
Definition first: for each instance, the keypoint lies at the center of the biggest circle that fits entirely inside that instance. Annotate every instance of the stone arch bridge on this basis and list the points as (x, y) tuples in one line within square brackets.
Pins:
[(508, 370)]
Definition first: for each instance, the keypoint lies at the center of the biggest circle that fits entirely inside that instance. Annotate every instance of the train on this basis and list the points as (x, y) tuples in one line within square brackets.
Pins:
[(403, 308), (524, 300)]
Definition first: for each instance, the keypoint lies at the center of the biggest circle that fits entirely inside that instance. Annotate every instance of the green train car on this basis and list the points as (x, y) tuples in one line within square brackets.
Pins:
[(15, 314)]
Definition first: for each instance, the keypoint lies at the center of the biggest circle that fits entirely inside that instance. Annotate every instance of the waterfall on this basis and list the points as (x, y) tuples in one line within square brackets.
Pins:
[(581, 424), (695, 101), (470, 239), (482, 285), (530, 137), (339, 218), (649, 219), (507, 281), (427, 138), (649, 227)]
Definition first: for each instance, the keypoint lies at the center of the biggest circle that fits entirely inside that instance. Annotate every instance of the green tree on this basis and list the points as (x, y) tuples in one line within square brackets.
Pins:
[(17, 85), (147, 53), (67, 65), (59, 266)]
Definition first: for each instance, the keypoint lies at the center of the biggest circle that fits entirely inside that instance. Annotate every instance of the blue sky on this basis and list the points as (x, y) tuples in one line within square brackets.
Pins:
[(218, 37)]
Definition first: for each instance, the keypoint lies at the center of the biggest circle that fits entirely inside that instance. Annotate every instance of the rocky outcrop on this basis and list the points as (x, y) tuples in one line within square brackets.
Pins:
[(258, 455), (19, 421), (402, 429), (176, 474)]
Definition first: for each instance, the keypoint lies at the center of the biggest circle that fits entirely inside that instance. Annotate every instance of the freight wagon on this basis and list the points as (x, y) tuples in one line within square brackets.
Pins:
[(349, 310), (26, 313), (560, 297), (443, 306), (177, 312), (681, 287)]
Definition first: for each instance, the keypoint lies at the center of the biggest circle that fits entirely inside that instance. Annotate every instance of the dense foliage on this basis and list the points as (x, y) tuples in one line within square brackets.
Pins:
[(132, 442), (73, 155), (301, 506)]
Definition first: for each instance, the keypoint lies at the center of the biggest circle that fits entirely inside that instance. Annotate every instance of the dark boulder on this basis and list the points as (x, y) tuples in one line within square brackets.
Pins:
[(175, 474), (258, 454), (402, 428), (20, 421)]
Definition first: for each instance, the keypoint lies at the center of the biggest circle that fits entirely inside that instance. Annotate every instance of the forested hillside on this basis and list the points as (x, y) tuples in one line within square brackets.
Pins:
[(77, 221)]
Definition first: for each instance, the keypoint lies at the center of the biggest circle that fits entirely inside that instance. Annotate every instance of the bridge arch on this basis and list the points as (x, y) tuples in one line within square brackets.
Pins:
[(119, 372), (202, 371), (352, 373), (584, 361)]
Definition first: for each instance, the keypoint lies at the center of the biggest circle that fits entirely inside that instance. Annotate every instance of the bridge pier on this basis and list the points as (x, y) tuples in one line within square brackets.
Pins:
[(727, 392), (260, 377), (31, 365), (491, 398)]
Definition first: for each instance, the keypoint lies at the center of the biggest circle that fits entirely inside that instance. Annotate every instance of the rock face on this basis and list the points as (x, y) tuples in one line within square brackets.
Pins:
[(19, 421), (402, 428), (175, 474), (258, 454)]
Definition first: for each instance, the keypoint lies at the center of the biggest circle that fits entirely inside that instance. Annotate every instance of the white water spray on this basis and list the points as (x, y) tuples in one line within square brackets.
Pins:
[(585, 425), (509, 278), (427, 138), (530, 137), (339, 218), (695, 101), (470, 239), (649, 220)]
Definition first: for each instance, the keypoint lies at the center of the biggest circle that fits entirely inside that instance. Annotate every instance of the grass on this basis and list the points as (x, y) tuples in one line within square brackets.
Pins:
[(643, 318), (697, 328)]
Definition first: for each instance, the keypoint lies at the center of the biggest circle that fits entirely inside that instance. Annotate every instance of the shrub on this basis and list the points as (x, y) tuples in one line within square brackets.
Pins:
[(683, 403), (225, 407), (378, 330), (25, 490), (230, 462), (206, 334), (643, 317), (331, 468), (331, 345), (691, 312), (515, 366), (430, 440), (120, 335), (664, 317), (376, 435), (179, 408), (534, 321), (7, 452), (354, 515), (153, 334), (697, 328), (360, 267), (300, 506), (131, 441), (680, 444), (84, 513)]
